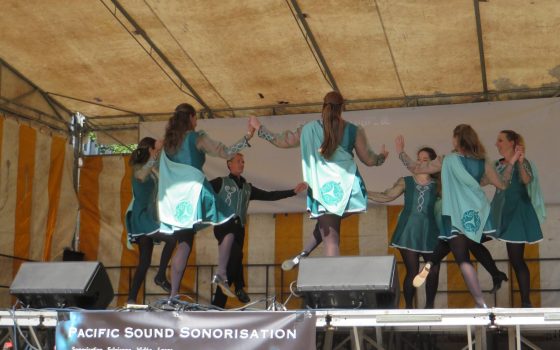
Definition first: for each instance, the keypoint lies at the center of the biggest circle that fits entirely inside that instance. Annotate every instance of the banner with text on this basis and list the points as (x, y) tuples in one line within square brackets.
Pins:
[(187, 330)]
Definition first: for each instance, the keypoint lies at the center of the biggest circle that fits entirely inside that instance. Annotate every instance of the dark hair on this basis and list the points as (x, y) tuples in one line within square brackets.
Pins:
[(177, 127), (437, 176), (333, 125), (142, 153), (515, 137), (468, 141), (429, 150)]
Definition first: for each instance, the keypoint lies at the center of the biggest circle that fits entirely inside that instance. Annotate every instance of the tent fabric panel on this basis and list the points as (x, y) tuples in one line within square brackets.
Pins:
[(129, 257), (351, 39), (56, 171), (434, 44), (29, 207), (164, 23), (88, 195), (40, 195), (67, 210), (24, 194), (83, 46), (9, 139), (254, 47), (521, 43)]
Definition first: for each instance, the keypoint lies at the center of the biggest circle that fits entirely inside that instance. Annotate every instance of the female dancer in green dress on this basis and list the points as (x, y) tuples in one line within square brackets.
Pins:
[(186, 200), (480, 252), (514, 210), (336, 188), (141, 219), (465, 209), (416, 232)]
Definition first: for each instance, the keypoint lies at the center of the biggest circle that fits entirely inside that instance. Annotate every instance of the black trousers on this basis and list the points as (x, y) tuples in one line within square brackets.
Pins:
[(235, 263)]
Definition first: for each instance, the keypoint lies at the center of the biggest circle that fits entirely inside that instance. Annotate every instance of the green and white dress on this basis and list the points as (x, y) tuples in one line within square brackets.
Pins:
[(335, 184), (186, 200), (465, 208)]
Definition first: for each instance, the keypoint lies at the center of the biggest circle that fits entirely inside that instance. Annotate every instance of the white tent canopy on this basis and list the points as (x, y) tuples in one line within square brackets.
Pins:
[(121, 62)]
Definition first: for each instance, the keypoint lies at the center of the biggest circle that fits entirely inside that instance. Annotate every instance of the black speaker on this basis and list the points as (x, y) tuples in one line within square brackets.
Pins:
[(349, 282), (72, 255), (63, 284)]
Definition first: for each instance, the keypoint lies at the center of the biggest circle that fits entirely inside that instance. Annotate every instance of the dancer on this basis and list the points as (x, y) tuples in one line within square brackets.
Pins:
[(141, 218), (336, 188), (416, 232), (186, 199), (465, 208), (442, 249), (519, 209), (237, 193)]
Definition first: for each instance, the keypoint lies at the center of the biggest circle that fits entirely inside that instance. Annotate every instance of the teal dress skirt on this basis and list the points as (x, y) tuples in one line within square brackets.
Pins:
[(416, 228), (211, 209), (476, 168), (513, 211), (142, 219), (358, 196)]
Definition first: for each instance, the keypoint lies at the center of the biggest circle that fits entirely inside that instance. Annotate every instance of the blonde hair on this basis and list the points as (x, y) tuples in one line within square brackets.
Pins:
[(468, 141)]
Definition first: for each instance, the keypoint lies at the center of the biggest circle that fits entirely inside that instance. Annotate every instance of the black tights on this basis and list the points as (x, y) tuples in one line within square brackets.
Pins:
[(460, 245), (327, 229), (184, 248), (515, 254), (460, 248), (146, 247), (411, 261), (480, 252), (179, 263)]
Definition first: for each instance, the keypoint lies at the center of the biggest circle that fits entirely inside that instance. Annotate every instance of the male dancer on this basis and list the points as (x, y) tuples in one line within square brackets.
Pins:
[(237, 193)]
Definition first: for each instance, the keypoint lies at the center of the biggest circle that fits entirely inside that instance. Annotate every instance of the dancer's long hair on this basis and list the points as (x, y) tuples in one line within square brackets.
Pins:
[(333, 125), (515, 137), (177, 127), (468, 141), (142, 153)]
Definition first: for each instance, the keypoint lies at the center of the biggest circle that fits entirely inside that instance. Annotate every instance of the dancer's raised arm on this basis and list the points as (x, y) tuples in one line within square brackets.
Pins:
[(416, 167), (217, 149), (502, 180), (284, 139)]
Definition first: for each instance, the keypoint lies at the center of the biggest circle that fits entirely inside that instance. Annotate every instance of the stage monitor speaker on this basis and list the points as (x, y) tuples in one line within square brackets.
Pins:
[(349, 282), (63, 284)]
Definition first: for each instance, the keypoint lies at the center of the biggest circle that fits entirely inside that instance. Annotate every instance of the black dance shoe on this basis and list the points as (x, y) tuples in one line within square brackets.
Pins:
[(497, 281), (242, 296), (163, 283)]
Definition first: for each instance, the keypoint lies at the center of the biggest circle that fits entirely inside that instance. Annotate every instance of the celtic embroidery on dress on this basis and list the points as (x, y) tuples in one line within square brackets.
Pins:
[(331, 192), (471, 221), (183, 211), (421, 190)]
